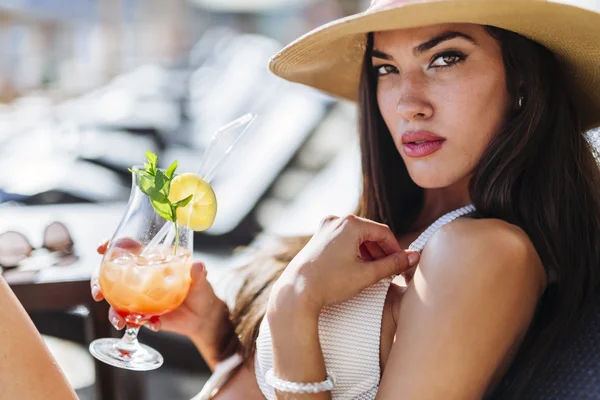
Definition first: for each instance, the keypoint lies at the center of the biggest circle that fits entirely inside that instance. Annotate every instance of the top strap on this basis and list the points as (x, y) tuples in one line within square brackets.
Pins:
[(419, 244)]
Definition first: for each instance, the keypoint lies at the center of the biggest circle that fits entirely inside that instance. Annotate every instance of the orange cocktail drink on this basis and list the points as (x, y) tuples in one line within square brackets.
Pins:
[(140, 287)]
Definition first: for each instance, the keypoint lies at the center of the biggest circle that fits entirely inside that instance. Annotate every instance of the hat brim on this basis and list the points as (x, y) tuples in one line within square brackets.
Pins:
[(330, 57)]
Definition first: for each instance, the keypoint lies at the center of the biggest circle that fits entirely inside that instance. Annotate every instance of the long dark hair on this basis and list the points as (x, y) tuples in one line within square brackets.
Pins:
[(539, 173)]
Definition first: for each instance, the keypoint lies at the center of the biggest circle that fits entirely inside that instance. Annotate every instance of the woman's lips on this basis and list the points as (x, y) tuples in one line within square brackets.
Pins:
[(422, 149), (421, 144)]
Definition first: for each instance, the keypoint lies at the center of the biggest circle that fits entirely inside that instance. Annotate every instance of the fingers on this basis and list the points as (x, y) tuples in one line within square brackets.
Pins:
[(118, 322), (129, 244), (125, 243), (376, 240), (96, 292), (370, 231), (154, 324), (408, 275), (95, 286), (375, 250), (102, 247), (370, 251), (198, 272), (115, 319), (365, 254), (382, 235), (396, 263)]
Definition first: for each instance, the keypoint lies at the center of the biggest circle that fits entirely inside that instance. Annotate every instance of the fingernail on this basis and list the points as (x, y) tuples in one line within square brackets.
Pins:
[(153, 327), (413, 258), (95, 290), (115, 322), (197, 271)]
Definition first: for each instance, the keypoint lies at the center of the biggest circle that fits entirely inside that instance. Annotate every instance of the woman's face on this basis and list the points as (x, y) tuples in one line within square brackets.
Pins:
[(442, 93)]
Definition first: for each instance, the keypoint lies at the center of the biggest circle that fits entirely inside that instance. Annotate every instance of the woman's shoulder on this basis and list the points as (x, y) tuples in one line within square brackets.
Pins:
[(481, 236), (467, 245)]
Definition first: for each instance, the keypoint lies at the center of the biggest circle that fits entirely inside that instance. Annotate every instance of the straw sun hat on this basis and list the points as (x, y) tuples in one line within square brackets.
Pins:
[(330, 57)]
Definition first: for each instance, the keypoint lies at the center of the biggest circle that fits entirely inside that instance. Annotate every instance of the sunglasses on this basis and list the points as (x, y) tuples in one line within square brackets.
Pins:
[(15, 247)]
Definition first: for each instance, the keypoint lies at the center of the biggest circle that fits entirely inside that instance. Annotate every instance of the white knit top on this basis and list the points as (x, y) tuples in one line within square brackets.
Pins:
[(350, 334)]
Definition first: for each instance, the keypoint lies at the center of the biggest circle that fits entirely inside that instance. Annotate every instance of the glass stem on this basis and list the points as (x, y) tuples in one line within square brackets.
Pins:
[(129, 342)]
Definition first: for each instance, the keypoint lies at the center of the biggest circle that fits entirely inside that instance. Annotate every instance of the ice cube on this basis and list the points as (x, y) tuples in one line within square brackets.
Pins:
[(168, 271), (156, 259), (112, 272), (142, 261), (171, 282), (123, 259), (134, 277), (157, 294), (116, 253)]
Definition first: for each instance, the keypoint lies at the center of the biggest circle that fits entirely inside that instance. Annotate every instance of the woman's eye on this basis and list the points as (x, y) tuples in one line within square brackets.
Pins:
[(386, 69), (447, 59)]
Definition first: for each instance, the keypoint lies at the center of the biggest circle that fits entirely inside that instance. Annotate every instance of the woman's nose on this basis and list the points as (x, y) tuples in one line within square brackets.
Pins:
[(413, 104), (412, 108)]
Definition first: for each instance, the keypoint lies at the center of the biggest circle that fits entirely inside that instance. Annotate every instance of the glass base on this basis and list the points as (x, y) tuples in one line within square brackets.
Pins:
[(141, 358)]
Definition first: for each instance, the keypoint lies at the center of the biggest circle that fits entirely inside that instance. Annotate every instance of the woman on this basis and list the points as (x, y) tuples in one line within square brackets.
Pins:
[(452, 114)]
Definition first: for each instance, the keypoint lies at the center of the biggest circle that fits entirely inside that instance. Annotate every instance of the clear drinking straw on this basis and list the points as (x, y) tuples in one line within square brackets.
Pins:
[(219, 148)]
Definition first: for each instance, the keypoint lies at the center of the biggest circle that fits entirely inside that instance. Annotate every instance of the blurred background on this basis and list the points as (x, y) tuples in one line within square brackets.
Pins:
[(87, 86)]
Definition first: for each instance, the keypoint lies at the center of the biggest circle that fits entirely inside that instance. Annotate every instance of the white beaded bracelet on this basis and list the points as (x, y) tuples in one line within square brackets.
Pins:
[(295, 387)]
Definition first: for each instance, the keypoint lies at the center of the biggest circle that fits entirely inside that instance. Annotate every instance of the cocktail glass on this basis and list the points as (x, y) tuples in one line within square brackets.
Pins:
[(142, 284), (145, 272)]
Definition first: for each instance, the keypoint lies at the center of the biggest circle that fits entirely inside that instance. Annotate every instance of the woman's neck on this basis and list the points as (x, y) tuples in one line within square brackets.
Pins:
[(440, 201)]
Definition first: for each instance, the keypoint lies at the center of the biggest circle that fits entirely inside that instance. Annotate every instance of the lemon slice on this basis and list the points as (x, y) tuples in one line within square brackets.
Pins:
[(200, 213)]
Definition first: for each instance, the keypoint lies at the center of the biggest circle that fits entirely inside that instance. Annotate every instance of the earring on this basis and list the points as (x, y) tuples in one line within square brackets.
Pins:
[(521, 102)]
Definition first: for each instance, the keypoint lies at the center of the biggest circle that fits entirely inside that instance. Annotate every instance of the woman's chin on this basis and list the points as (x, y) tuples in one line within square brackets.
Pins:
[(429, 185), (431, 181)]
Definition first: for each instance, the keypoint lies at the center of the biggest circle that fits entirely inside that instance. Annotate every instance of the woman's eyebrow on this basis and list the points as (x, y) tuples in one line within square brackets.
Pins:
[(436, 40), (428, 45), (380, 54)]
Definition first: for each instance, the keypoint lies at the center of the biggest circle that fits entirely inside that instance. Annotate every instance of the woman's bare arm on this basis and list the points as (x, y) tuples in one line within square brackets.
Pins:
[(27, 369), (464, 313)]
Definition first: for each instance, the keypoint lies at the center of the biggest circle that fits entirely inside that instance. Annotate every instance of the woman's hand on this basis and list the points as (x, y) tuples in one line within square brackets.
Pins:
[(345, 256), (187, 318), (203, 317)]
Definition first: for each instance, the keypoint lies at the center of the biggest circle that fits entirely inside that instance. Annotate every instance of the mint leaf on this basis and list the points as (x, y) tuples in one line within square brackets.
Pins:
[(152, 158), (184, 202), (147, 185), (139, 171), (162, 183), (162, 208), (171, 170), (156, 184), (157, 196), (150, 170), (152, 162)]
